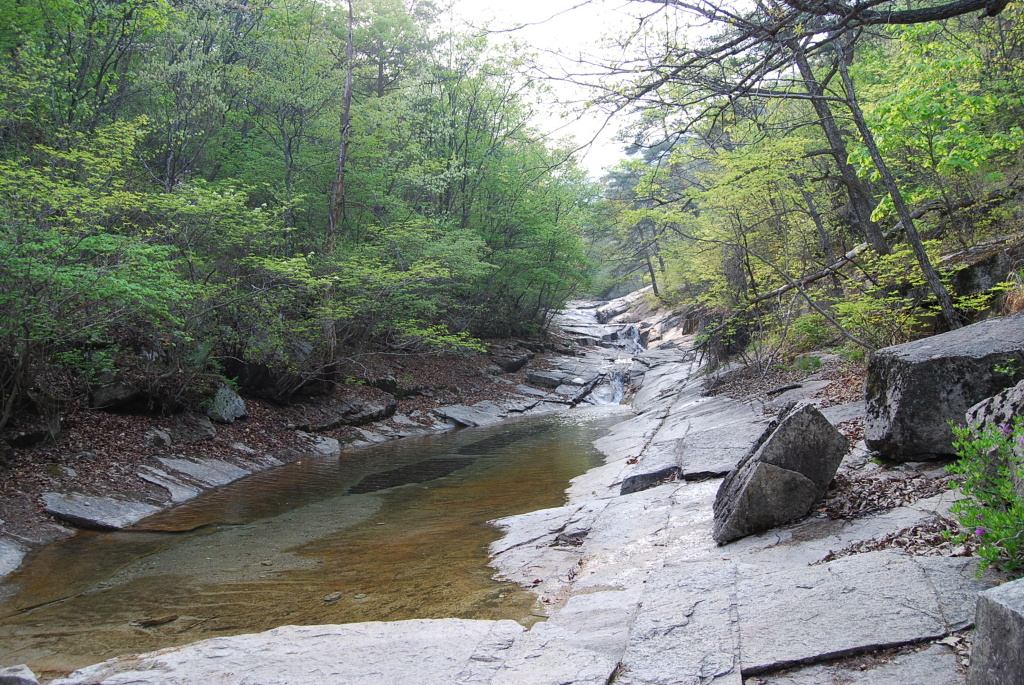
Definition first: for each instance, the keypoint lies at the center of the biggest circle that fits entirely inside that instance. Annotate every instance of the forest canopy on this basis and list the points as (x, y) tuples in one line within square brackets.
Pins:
[(192, 187)]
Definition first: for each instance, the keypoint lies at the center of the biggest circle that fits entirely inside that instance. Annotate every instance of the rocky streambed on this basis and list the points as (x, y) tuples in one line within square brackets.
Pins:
[(634, 588)]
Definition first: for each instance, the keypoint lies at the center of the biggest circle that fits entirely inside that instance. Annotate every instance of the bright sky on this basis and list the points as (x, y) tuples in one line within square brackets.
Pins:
[(570, 27)]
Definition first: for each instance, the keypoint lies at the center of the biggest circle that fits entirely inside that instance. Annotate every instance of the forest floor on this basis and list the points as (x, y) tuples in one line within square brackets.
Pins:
[(99, 452)]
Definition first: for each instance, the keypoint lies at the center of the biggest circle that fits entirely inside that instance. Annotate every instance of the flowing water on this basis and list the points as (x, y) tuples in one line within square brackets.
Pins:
[(394, 532)]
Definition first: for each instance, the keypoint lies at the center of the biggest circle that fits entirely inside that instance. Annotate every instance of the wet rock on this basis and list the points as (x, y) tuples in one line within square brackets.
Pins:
[(914, 390), (178, 490), (227, 406), (787, 471), (996, 657), (102, 513), (17, 675), (398, 653), (998, 409), (321, 446), (113, 395), (11, 554)]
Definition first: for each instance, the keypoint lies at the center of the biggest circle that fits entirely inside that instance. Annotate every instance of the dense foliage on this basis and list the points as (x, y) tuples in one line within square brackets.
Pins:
[(802, 177), (168, 172)]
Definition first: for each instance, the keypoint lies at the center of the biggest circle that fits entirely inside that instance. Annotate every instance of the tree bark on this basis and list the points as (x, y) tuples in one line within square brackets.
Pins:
[(860, 200), (930, 275)]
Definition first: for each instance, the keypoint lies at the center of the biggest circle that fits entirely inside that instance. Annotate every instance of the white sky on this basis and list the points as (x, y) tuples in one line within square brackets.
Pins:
[(555, 26)]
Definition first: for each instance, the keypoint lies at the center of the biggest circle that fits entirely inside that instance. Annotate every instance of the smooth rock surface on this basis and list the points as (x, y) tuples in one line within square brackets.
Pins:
[(321, 445), (787, 471), (103, 513), (915, 389), (997, 657), (418, 652), (480, 414), (11, 554), (178, 490), (206, 472)]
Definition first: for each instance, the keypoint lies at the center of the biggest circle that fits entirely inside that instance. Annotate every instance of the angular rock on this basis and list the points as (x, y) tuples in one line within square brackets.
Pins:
[(413, 652), (192, 429), (227, 406), (915, 389), (17, 675), (179, 491), (998, 409), (544, 379), (348, 412), (114, 395), (321, 446), (156, 437), (479, 414), (102, 513), (511, 359), (206, 472), (785, 473), (997, 657)]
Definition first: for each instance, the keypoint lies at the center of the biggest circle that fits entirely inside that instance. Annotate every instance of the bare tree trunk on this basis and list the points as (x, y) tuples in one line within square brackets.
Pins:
[(930, 275), (337, 207), (860, 200)]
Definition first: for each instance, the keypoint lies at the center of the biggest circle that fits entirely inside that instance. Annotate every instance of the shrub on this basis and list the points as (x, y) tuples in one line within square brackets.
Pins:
[(993, 510)]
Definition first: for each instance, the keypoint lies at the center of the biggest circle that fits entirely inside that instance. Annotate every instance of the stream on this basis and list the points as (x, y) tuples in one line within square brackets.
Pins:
[(393, 532)]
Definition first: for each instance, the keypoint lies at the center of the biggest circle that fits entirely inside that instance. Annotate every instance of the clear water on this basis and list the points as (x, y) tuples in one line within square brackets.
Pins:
[(399, 531)]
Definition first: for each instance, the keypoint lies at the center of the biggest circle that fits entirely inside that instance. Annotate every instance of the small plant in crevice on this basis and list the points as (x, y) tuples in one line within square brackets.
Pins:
[(992, 473)]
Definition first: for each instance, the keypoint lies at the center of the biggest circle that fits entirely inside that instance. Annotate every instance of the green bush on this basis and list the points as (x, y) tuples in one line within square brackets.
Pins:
[(993, 510)]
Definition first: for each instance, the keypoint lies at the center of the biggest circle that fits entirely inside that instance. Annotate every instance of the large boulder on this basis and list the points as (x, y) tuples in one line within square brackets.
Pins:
[(916, 389), (785, 473)]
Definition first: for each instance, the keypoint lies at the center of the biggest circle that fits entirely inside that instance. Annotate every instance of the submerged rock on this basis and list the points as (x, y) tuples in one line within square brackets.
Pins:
[(786, 472), (916, 389)]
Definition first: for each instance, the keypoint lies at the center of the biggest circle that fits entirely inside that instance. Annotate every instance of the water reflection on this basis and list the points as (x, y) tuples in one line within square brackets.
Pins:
[(395, 532)]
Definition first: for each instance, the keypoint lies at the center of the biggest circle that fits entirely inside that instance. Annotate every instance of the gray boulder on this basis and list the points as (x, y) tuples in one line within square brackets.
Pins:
[(227, 406), (914, 390), (996, 658), (114, 395), (998, 409), (347, 412), (786, 471), (191, 429), (17, 675), (545, 379), (103, 513)]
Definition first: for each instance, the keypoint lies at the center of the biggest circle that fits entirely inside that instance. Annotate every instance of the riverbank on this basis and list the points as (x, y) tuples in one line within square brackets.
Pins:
[(864, 589)]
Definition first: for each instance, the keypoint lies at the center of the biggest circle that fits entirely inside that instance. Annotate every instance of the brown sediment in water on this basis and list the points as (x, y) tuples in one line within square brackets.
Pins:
[(292, 547)]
